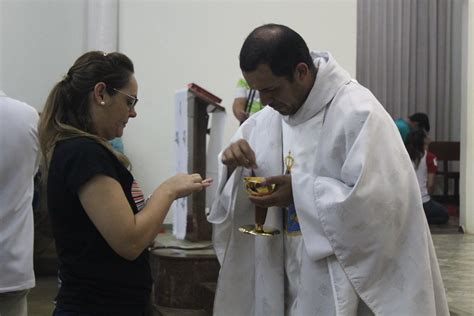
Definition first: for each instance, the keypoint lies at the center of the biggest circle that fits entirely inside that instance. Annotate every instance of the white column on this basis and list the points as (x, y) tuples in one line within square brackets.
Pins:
[(467, 122), (102, 25)]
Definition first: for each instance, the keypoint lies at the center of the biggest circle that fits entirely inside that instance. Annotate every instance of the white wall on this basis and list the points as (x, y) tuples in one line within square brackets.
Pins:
[(176, 42), (39, 41)]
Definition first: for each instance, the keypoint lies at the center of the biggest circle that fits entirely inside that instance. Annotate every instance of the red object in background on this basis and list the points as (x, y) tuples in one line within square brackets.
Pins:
[(203, 92), (453, 209)]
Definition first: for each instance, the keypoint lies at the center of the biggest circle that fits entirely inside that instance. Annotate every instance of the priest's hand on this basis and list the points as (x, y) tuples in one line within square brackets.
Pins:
[(239, 154), (282, 196)]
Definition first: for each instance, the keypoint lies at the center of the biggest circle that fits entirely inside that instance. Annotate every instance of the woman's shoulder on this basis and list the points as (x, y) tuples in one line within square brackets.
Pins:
[(78, 152), (78, 143), (80, 147)]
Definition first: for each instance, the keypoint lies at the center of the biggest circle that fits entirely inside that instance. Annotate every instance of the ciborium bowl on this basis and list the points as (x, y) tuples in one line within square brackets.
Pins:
[(255, 186)]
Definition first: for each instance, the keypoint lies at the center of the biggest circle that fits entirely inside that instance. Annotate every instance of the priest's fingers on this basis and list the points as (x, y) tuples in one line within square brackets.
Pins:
[(239, 154), (278, 180), (244, 154), (282, 196), (271, 200), (264, 201), (228, 157)]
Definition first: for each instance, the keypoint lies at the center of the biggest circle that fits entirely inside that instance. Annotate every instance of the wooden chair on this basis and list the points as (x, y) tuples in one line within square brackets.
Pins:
[(447, 152)]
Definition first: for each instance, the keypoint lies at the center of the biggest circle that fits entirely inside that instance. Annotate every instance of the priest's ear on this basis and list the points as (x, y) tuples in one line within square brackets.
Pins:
[(301, 72)]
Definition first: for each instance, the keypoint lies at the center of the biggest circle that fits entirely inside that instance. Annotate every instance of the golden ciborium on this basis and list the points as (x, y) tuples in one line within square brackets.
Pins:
[(254, 186)]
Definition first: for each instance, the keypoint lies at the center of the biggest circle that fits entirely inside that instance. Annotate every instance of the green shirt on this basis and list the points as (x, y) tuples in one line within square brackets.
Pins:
[(243, 91)]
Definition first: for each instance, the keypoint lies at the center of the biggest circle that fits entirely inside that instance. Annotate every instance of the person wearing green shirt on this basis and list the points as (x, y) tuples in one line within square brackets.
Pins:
[(246, 101)]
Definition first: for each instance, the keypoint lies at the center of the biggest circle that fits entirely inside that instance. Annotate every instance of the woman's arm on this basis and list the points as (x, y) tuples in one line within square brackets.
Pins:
[(238, 107), (129, 234)]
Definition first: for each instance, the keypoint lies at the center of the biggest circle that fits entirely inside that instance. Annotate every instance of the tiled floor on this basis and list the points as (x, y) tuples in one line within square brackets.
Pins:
[(455, 255), (456, 259), (40, 299)]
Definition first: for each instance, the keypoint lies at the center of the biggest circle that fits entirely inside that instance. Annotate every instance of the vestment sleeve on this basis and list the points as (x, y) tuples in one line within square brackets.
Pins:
[(229, 199), (364, 185), (364, 196)]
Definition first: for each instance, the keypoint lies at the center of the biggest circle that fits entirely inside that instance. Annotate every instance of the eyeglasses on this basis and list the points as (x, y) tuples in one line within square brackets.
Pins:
[(133, 99)]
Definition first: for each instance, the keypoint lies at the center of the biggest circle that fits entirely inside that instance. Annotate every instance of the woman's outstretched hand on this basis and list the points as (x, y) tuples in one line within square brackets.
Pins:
[(183, 184)]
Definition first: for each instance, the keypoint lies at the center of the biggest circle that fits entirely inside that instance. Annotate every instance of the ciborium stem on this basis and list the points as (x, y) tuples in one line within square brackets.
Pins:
[(260, 216)]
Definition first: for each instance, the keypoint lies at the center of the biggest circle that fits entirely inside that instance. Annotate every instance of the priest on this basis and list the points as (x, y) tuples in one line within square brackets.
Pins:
[(354, 239)]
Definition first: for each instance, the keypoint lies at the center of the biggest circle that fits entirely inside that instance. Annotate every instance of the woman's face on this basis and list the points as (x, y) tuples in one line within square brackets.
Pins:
[(118, 109)]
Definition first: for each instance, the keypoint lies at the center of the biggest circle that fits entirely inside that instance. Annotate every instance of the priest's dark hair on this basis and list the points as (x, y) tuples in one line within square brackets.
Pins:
[(279, 47)]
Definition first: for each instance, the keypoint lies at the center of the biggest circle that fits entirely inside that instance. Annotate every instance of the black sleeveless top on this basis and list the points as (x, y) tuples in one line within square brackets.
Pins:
[(94, 279)]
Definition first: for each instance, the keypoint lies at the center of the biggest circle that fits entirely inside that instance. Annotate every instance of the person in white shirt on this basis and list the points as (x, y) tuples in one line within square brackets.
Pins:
[(426, 166), (354, 242), (19, 159)]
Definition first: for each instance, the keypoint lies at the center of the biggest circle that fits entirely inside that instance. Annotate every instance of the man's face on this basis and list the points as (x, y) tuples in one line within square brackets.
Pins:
[(278, 92)]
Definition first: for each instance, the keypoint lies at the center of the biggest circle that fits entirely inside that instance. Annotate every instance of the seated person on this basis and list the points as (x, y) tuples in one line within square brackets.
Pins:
[(417, 120), (425, 166)]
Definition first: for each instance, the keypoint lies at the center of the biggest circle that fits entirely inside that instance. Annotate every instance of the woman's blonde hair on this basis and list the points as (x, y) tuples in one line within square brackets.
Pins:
[(66, 113)]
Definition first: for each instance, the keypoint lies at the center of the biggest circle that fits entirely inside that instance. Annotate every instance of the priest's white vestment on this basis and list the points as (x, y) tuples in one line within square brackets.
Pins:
[(362, 246)]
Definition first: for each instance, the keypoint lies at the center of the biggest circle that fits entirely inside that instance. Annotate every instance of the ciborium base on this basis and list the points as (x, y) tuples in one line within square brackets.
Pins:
[(259, 231)]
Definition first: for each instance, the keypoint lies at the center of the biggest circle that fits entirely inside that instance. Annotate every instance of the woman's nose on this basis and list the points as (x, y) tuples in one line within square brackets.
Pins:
[(132, 112)]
